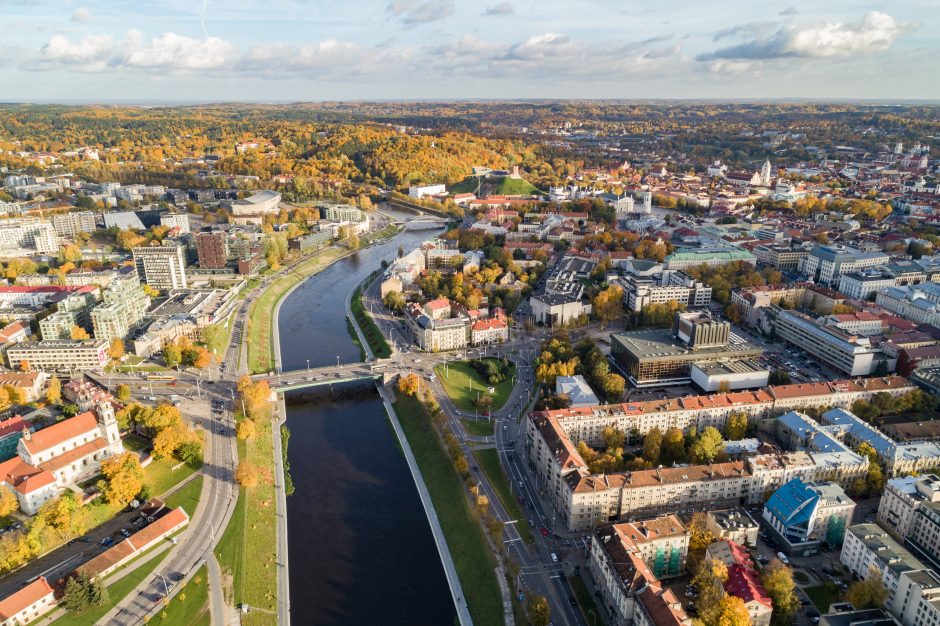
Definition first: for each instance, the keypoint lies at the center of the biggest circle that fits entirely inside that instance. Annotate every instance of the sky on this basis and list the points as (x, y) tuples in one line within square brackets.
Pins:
[(314, 50)]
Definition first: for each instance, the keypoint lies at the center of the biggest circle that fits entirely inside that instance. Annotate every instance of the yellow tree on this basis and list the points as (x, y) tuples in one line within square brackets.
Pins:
[(246, 429), (54, 390), (246, 474), (123, 478), (732, 612), (169, 440), (778, 581), (409, 385), (8, 502), (79, 333), (116, 349)]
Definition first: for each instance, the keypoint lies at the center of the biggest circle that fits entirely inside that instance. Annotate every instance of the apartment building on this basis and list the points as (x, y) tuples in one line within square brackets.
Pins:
[(916, 602), (162, 267), (869, 550), (752, 300), (743, 580), (212, 250), (925, 530), (735, 525), (27, 604), (802, 516), (901, 499), (59, 355), (920, 304), (70, 224), (826, 264), (122, 310), (175, 220), (22, 236), (662, 543)]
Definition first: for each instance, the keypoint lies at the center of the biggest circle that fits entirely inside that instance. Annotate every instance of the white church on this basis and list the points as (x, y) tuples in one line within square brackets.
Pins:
[(50, 459)]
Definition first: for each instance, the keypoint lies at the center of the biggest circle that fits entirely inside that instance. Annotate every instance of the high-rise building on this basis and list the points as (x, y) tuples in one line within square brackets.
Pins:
[(212, 250), (124, 306), (69, 224), (162, 267), (27, 233)]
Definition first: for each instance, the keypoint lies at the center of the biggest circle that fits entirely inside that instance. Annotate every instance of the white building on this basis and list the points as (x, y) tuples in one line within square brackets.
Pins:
[(825, 264), (27, 604), (59, 354), (577, 389), (23, 236), (175, 220), (70, 224), (421, 191), (902, 497), (162, 267)]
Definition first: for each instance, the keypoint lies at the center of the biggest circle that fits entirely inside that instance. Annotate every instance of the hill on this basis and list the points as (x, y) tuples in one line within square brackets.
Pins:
[(496, 186)]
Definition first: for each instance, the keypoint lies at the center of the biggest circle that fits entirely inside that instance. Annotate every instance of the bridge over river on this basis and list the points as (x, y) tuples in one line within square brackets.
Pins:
[(292, 380)]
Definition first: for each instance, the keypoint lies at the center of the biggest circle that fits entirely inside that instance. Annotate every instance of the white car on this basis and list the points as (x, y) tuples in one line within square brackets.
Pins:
[(554, 558)]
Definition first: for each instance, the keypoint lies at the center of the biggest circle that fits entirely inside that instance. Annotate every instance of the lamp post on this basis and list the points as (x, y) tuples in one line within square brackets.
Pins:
[(308, 365)]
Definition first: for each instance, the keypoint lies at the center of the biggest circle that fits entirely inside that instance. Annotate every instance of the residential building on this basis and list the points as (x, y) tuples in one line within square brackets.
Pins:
[(925, 531), (212, 250), (685, 258), (801, 516), (661, 542), (61, 354), (70, 224), (916, 601), (162, 267), (488, 331), (824, 445), (743, 580), (27, 235), (175, 220), (57, 456), (27, 604), (670, 286), (123, 308), (869, 550), (783, 258), (735, 525), (902, 497), (661, 357), (29, 383), (920, 304), (827, 263)]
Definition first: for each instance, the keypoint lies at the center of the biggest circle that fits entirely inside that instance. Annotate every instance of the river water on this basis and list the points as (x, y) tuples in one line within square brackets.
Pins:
[(361, 551)]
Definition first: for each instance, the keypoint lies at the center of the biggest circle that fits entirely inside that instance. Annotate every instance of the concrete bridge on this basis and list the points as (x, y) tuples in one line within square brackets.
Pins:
[(292, 380)]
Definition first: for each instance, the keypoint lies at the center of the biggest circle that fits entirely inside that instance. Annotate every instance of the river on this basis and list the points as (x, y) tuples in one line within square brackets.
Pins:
[(361, 551)]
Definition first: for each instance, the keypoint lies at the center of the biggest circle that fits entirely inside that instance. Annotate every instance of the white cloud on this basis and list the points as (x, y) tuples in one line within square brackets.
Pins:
[(81, 14), (167, 53), (503, 8), (875, 32), (414, 12)]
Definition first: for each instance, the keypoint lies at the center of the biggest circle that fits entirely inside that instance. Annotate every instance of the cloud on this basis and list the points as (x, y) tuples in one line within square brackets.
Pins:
[(81, 15), (503, 8), (168, 53), (414, 12), (875, 32), (658, 39), (789, 11), (754, 29)]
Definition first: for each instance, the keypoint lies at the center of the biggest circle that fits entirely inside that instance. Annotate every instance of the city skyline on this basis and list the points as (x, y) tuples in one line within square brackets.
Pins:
[(292, 50)]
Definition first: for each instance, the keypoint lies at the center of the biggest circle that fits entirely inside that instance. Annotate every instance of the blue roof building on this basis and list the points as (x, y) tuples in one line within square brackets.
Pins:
[(801, 516)]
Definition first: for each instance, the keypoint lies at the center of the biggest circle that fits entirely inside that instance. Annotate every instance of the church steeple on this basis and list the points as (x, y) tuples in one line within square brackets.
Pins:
[(765, 174)]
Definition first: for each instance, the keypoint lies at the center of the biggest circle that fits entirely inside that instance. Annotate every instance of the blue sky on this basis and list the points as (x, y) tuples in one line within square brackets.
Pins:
[(276, 50)]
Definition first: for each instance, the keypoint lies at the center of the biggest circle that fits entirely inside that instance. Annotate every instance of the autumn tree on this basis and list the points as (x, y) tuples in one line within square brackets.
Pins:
[(8, 502), (539, 612), (736, 426), (673, 446), (246, 474), (652, 446), (394, 301), (246, 429), (707, 446), (213, 335), (409, 385), (123, 392), (78, 333), (731, 611), (116, 349), (59, 513), (608, 304), (123, 478), (168, 440), (868, 593), (777, 579), (172, 354), (54, 390), (256, 396), (699, 534)]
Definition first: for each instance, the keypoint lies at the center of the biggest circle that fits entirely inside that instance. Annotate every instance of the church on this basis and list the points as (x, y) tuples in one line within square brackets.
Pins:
[(50, 459)]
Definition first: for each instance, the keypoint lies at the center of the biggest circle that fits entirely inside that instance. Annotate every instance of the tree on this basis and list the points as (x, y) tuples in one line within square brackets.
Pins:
[(79, 333), (169, 440), (58, 513), (394, 301), (123, 392), (409, 385), (699, 535), (779, 377), (54, 390), (246, 429), (69, 410), (213, 335), (116, 349), (608, 304), (707, 446), (673, 446), (190, 451), (256, 396), (172, 354), (778, 582), (652, 446), (539, 611), (82, 592), (8, 502), (868, 593), (839, 308), (736, 426), (123, 478), (246, 474), (732, 612)]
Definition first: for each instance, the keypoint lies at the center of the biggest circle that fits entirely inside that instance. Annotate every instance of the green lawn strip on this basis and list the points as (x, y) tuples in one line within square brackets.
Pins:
[(377, 342), (231, 547), (488, 460), (823, 595), (479, 428), (585, 601), (467, 545), (187, 497), (161, 476), (116, 592), (190, 605), (462, 383)]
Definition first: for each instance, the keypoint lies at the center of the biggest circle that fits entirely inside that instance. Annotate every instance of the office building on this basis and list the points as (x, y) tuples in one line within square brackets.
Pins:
[(802, 516), (162, 267), (212, 250), (783, 258), (825, 264), (657, 357), (341, 212), (63, 354), (855, 355), (920, 304), (669, 286), (70, 224), (869, 550), (175, 220)]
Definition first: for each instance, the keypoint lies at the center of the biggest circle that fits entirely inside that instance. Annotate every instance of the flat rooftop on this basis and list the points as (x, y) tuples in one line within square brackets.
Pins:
[(661, 343)]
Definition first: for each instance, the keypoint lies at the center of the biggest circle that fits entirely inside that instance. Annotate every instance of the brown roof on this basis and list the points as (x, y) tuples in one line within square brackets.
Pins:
[(63, 431), (143, 538), (662, 606), (18, 379), (558, 443), (633, 533), (8, 332), (24, 598), (74, 454), (691, 473), (108, 559)]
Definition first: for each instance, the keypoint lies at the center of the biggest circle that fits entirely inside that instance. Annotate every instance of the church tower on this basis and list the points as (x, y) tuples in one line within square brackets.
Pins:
[(107, 424), (765, 174)]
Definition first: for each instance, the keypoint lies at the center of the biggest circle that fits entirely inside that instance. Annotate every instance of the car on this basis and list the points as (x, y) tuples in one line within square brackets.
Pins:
[(137, 521), (125, 532), (554, 558), (544, 531), (573, 602), (107, 541), (85, 539), (505, 428)]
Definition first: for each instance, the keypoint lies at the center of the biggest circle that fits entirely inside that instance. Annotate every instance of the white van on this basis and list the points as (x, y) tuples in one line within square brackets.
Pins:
[(783, 558)]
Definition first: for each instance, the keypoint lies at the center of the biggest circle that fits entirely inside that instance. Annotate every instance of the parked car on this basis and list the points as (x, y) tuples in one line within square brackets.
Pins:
[(554, 558)]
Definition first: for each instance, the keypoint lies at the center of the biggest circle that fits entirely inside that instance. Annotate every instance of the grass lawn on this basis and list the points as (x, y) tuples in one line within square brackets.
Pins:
[(116, 593), (141, 368), (479, 428), (190, 606), (161, 475), (488, 460), (260, 350), (468, 547), (462, 382), (187, 497), (136, 443), (823, 595), (247, 551), (585, 600), (373, 335), (385, 233)]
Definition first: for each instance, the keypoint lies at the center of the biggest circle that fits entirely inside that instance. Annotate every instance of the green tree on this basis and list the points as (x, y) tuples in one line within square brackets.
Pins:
[(213, 335), (394, 301), (652, 446), (82, 592), (778, 582), (736, 426), (707, 446), (779, 377), (539, 611), (123, 392), (172, 354)]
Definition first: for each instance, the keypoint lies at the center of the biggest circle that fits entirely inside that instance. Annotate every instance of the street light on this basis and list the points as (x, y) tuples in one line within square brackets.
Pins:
[(308, 365), (337, 360)]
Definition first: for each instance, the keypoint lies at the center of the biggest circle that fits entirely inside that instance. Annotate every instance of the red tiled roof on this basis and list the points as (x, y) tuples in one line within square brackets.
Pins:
[(24, 477), (63, 431), (488, 324), (74, 454), (440, 303), (8, 332), (743, 582), (24, 598), (13, 424), (170, 522)]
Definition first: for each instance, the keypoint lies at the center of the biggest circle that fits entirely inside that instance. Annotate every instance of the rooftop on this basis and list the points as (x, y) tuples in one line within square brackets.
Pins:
[(61, 432), (24, 598)]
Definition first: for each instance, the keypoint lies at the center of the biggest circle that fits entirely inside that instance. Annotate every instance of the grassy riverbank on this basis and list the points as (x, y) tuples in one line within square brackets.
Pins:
[(373, 335), (465, 540)]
